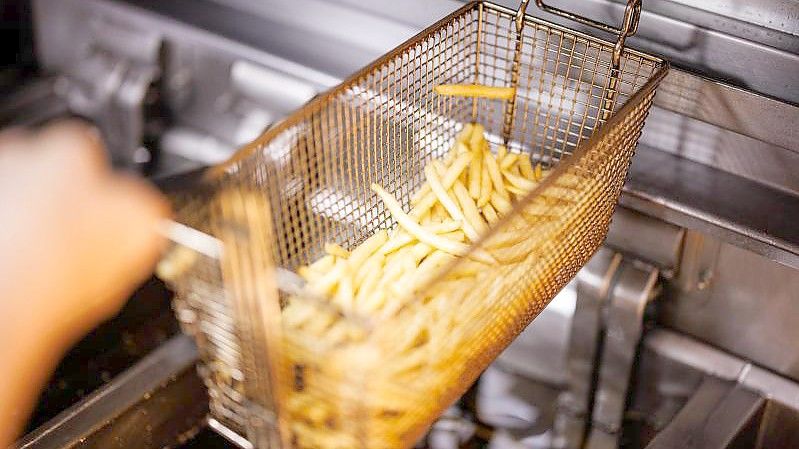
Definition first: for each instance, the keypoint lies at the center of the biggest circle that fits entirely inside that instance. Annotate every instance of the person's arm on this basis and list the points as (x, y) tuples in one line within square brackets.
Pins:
[(75, 240)]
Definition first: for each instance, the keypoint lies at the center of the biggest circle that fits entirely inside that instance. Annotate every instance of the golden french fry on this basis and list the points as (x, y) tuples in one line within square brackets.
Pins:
[(507, 238), (402, 238), (464, 134), (516, 191), (446, 201), (496, 176), (489, 213), (477, 138), (502, 151), (538, 174), (335, 250), (439, 213), (455, 248), (475, 90), (371, 267), (323, 264), (366, 249), (475, 169), (453, 172), (508, 161), (526, 166), (345, 293), (501, 205), (325, 285), (470, 212), (518, 181), (485, 182)]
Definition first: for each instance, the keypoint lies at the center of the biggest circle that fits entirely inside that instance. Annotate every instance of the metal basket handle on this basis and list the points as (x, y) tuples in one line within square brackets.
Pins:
[(632, 14)]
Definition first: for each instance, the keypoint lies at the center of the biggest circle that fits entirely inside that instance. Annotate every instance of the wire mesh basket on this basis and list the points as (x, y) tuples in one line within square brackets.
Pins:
[(379, 380)]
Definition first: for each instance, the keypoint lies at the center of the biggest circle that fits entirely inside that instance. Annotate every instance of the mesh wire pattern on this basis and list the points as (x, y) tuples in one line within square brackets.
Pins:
[(310, 176)]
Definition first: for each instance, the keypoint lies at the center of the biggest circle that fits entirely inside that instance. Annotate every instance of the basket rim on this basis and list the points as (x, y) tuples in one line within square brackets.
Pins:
[(318, 102)]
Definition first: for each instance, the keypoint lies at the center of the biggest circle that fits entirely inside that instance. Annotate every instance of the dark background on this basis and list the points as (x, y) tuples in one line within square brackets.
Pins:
[(16, 42)]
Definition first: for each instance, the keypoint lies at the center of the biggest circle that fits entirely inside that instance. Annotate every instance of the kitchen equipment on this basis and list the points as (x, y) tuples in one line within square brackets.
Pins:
[(580, 107)]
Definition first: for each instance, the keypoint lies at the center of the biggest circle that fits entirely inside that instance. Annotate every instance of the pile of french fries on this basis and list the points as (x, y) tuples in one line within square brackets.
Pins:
[(395, 278), (464, 193)]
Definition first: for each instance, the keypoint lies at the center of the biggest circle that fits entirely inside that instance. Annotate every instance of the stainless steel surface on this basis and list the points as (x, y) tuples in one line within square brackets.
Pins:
[(111, 80), (727, 128), (647, 239), (728, 207), (758, 300), (730, 108), (634, 288), (720, 415), (720, 41), (127, 60), (593, 288), (718, 363), (154, 404)]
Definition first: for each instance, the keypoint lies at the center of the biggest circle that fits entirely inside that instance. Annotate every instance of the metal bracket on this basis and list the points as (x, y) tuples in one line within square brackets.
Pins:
[(634, 289), (594, 283), (113, 84), (612, 294)]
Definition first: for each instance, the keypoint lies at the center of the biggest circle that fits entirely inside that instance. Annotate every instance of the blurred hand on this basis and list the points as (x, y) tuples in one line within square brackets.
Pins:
[(75, 241)]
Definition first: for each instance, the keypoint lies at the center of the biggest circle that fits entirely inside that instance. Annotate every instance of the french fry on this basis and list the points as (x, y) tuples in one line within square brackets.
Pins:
[(403, 238), (370, 268), (439, 213), (501, 205), (496, 177), (485, 182), (323, 264), (508, 161), (518, 181), (335, 250), (470, 212), (489, 213), (526, 167), (507, 238), (475, 90), (453, 172), (538, 173), (464, 134), (475, 169), (447, 202), (502, 151), (455, 248), (477, 138), (366, 249)]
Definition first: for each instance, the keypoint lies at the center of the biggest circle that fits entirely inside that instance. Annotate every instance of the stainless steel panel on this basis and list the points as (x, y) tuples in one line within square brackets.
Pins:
[(729, 207), (728, 42), (698, 141), (646, 238), (718, 363), (730, 108), (749, 308), (720, 415)]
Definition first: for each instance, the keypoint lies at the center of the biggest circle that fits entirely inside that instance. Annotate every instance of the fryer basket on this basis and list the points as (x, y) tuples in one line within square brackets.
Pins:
[(579, 109)]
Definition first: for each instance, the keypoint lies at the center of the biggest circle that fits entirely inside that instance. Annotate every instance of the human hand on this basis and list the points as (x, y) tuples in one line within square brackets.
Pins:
[(75, 241)]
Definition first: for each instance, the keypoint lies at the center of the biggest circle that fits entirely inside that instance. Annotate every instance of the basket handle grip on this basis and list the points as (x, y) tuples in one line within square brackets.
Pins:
[(632, 14)]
